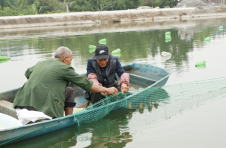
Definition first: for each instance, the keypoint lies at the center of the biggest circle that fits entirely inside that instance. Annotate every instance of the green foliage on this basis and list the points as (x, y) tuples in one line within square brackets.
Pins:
[(9, 12), (81, 5), (7, 3), (158, 3), (31, 7), (24, 3)]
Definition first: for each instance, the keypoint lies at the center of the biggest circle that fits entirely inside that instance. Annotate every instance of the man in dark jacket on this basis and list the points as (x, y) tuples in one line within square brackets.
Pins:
[(101, 69)]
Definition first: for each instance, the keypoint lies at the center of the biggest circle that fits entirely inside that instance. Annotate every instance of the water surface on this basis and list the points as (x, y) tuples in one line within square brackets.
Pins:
[(159, 126)]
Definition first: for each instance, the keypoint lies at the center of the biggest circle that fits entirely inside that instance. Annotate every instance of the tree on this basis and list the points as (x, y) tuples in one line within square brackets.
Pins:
[(81, 5), (159, 3), (24, 3), (170, 3), (7, 3), (100, 5), (131, 4)]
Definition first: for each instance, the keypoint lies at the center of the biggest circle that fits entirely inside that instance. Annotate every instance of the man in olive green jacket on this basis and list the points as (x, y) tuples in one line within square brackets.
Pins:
[(47, 81)]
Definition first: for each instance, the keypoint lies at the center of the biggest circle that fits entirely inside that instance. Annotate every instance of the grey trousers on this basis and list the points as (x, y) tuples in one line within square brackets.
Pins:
[(69, 100)]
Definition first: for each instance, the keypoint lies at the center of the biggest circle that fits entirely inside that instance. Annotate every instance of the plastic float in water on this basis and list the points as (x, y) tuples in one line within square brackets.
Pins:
[(200, 63), (149, 106), (168, 37), (92, 48), (103, 41), (221, 28), (116, 53), (207, 40), (167, 40), (168, 34), (3, 58), (156, 103)]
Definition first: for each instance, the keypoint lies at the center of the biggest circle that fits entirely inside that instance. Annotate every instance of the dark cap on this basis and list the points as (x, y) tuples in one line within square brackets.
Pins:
[(101, 52)]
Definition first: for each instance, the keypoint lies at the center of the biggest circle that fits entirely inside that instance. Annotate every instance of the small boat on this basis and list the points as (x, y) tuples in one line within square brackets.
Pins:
[(143, 78)]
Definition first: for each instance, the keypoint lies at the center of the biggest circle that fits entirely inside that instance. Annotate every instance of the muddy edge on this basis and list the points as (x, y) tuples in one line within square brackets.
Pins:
[(88, 18)]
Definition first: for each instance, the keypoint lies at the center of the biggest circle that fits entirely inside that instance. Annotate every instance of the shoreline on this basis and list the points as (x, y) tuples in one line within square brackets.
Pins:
[(111, 17), (68, 30)]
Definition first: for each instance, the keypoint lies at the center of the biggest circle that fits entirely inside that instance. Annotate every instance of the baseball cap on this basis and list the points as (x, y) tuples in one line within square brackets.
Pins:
[(101, 52)]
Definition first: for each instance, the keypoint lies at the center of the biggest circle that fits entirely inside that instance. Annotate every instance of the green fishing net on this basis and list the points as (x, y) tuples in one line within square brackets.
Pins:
[(145, 110), (151, 96)]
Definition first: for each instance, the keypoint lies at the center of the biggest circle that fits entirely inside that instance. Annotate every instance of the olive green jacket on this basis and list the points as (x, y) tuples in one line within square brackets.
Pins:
[(46, 85)]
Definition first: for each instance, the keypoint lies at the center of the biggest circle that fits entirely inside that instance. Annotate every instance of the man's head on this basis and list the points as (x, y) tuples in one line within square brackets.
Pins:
[(102, 55), (64, 54)]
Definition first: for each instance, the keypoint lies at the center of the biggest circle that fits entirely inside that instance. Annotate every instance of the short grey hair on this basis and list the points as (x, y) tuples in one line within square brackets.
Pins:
[(62, 51)]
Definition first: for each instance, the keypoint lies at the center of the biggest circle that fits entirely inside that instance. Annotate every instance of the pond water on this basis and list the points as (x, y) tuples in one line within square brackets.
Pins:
[(202, 125)]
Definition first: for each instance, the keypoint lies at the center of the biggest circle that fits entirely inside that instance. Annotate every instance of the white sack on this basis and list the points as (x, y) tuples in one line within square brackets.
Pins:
[(25, 116)]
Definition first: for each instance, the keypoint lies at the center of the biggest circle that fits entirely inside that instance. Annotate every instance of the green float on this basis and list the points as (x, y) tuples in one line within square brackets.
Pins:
[(92, 48), (207, 40), (3, 58), (168, 34), (168, 40), (116, 54), (221, 28), (200, 63), (117, 51), (103, 41)]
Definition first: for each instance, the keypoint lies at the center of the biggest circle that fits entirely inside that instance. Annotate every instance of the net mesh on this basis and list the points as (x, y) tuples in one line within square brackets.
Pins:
[(147, 97)]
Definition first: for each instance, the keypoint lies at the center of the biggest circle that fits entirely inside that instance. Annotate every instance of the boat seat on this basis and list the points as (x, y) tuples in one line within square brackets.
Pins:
[(7, 108)]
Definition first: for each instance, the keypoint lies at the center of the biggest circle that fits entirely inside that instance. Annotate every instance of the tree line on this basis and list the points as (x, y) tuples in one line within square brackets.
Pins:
[(31, 7)]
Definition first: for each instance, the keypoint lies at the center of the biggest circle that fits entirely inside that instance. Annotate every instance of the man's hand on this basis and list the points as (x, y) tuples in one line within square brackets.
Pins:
[(124, 88), (112, 90), (103, 94), (109, 91)]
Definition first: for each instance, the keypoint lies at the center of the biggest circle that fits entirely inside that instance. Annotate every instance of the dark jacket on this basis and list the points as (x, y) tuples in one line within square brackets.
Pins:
[(106, 76)]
